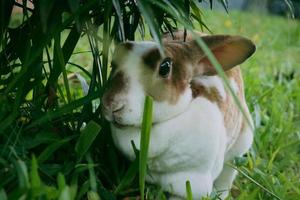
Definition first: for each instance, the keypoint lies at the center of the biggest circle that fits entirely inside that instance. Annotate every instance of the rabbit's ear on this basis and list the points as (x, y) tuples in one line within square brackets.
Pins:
[(228, 50)]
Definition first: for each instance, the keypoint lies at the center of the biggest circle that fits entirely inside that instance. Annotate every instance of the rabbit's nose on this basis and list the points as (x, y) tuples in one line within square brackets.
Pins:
[(113, 109), (118, 109)]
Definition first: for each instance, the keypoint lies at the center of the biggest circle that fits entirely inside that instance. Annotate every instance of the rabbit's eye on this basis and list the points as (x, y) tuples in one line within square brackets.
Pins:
[(165, 67)]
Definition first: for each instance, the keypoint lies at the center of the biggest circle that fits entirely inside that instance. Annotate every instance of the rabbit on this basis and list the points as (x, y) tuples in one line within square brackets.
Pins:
[(197, 127)]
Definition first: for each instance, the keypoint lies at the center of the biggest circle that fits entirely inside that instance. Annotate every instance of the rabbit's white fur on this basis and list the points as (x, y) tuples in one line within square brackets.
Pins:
[(189, 138)]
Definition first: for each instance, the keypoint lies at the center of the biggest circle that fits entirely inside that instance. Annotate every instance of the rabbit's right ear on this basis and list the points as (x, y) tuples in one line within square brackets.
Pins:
[(228, 50)]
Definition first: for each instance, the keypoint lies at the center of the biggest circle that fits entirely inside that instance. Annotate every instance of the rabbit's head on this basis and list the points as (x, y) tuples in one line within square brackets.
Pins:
[(139, 69)]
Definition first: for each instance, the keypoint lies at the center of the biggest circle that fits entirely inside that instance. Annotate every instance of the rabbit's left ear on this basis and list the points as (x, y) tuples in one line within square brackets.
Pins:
[(228, 50)]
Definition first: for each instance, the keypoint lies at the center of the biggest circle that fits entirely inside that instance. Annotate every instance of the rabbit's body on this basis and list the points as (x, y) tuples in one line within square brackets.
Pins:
[(196, 125), (193, 145)]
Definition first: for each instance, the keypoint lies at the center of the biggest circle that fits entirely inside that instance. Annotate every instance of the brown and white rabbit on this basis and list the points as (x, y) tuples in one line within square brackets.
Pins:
[(197, 126)]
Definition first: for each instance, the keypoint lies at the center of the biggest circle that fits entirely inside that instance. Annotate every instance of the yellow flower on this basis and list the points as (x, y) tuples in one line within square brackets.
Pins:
[(228, 23), (255, 38)]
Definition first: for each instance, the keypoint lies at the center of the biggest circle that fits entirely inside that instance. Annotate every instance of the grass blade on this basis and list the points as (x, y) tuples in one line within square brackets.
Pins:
[(224, 4), (144, 143), (147, 13), (93, 178), (128, 177), (67, 51), (22, 174), (87, 137), (106, 40), (197, 15), (253, 181), (62, 65), (5, 11), (49, 150), (117, 7), (189, 194), (65, 191), (61, 181), (91, 195), (291, 8), (34, 174), (3, 195)]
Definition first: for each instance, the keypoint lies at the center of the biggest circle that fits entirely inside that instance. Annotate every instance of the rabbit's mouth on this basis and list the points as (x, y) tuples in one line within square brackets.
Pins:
[(119, 125)]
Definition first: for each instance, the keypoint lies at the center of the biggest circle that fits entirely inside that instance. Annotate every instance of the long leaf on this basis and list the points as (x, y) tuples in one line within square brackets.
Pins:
[(87, 137), (117, 6), (144, 143), (34, 174), (225, 4), (291, 7), (189, 194), (48, 151), (22, 173), (93, 179), (6, 7), (62, 65), (106, 40), (66, 53), (128, 177), (147, 13), (3, 195), (254, 181)]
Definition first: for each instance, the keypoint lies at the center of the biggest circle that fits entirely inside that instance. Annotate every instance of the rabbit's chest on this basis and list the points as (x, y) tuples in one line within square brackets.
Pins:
[(191, 140), (185, 152)]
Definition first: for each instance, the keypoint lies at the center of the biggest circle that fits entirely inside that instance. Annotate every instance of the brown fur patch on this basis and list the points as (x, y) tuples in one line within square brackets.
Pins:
[(127, 45), (171, 87), (152, 58), (211, 93), (233, 118), (180, 72), (119, 85)]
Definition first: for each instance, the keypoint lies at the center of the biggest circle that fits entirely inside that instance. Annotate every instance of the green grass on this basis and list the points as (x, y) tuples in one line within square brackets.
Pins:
[(85, 164)]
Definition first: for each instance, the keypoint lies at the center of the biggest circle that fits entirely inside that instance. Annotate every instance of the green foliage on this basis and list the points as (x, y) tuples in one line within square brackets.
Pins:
[(144, 143), (189, 193), (87, 137)]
